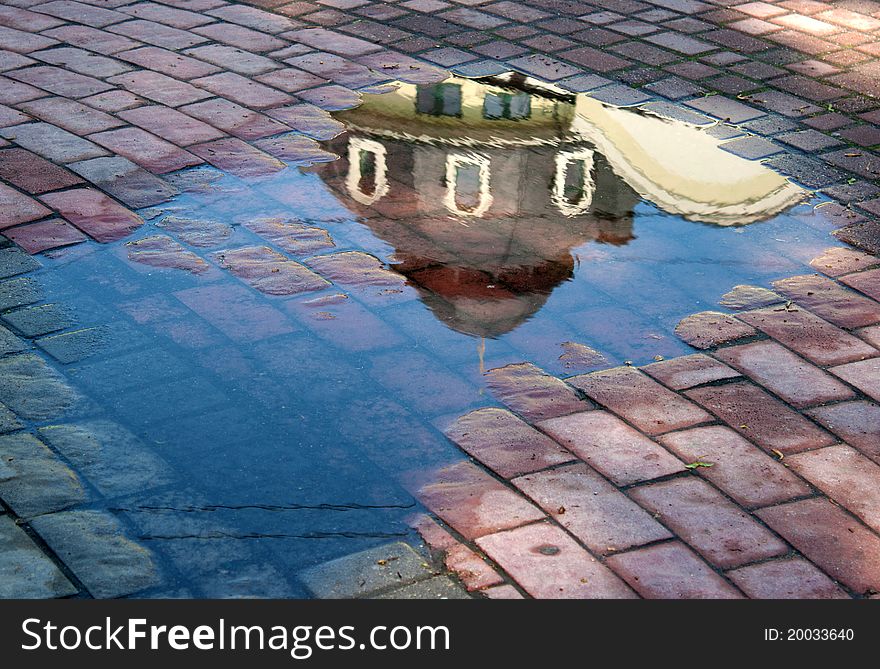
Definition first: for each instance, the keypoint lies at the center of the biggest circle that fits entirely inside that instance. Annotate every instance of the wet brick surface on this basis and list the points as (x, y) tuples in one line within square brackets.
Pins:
[(99, 107)]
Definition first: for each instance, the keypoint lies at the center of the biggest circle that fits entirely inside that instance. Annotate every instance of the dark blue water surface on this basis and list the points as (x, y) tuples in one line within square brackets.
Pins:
[(283, 424)]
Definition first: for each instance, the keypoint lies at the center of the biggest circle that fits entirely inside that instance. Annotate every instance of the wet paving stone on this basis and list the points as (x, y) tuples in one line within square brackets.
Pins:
[(838, 261), (236, 312), (720, 531), (291, 236), (238, 157), (94, 213), (785, 374), (471, 501), (473, 570), (8, 421), (504, 443), (269, 271), (363, 574), (357, 270), (640, 400), (864, 235), (439, 587), (749, 297), (828, 300), (96, 547), (145, 149), (9, 343), (18, 208), (35, 480), (534, 394), (807, 334), (547, 563), (35, 391), (761, 418), (857, 423), (842, 547), (196, 232), (234, 119), (52, 143), (867, 282), (709, 329), (594, 511), (45, 235), (19, 292), (25, 571), (74, 346), (846, 476), (14, 262), (32, 173), (689, 371), (110, 457), (750, 476), (671, 571), (612, 447), (790, 578), (310, 120), (126, 181), (331, 98), (864, 375), (295, 149), (163, 252)]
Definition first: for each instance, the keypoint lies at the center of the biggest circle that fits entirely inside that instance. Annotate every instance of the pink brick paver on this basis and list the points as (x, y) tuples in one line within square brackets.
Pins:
[(846, 476), (671, 571), (711, 328), (44, 235), (549, 564), (16, 207), (805, 333), (94, 213), (471, 501), (612, 447), (717, 529), (789, 578), (868, 282), (760, 417), (750, 476), (788, 376), (864, 375), (829, 300), (534, 394), (857, 423), (506, 444), (832, 539), (593, 510), (689, 371), (640, 400)]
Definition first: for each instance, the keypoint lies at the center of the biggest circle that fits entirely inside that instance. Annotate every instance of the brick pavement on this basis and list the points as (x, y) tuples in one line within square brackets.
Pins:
[(747, 469)]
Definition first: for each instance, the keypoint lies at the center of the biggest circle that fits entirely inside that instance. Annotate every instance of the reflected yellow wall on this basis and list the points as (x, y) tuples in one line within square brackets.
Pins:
[(396, 111)]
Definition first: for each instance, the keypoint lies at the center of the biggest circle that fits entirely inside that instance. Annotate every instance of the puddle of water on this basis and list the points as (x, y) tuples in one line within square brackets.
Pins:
[(282, 348)]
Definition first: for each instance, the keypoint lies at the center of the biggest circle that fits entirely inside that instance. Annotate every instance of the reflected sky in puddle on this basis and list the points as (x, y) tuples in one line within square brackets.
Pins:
[(518, 225)]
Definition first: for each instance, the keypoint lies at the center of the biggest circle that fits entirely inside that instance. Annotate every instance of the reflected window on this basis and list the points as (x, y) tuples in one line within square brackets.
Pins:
[(573, 184), (367, 179), (367, 182), (511, 106), (439, 100), (467, 184)]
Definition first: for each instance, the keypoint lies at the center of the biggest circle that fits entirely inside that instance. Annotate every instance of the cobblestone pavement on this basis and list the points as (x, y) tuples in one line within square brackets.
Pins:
[(747, 469)]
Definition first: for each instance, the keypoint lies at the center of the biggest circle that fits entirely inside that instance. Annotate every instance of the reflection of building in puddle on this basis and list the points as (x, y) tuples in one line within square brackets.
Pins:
[(484, 188)]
